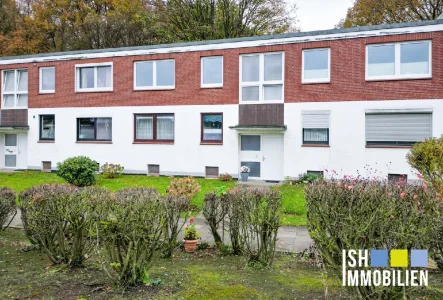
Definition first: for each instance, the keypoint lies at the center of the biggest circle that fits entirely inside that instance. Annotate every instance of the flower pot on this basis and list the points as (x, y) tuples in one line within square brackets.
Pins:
[(244, 177), (190, 246)]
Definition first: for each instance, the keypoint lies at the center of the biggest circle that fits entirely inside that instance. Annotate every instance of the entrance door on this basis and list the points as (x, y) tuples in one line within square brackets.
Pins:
[(11, 150), (263, 154), (251, 153), (272, 156)]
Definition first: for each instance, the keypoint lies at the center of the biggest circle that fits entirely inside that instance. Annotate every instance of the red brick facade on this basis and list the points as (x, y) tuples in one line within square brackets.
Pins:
[(347, 77)]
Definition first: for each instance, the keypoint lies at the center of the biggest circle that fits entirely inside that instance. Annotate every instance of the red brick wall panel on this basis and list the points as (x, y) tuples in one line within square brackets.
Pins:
[(347, 77)]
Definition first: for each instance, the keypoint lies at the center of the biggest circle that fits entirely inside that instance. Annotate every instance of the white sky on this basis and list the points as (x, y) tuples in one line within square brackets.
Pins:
[(320, 14)]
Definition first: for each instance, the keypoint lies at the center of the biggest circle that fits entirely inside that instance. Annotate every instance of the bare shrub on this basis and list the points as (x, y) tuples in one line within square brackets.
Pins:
[(8, 208), (175, 208), (214, 210), (57, 217), (130, 227), (364, 214)]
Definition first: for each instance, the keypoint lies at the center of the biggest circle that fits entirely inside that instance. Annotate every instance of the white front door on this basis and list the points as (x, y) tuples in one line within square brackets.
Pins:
[(272, 156), (11, 150), (263, 154)]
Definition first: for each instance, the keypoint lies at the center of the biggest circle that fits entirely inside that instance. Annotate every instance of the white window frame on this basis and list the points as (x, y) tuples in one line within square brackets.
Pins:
[(95, 88), (210, 85), (15, 92), (154, 77), (261, 82), (397, 59), (41, 90), (315, 80)]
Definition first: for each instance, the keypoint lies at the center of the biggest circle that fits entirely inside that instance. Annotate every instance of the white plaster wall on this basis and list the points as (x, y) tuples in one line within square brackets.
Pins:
[(347, 154), (186, 156)]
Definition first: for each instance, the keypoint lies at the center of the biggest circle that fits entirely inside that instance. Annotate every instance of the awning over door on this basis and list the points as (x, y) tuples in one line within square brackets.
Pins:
[(259, 128)]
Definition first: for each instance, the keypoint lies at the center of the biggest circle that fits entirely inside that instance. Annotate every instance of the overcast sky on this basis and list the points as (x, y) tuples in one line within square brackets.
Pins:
[(320, 14)]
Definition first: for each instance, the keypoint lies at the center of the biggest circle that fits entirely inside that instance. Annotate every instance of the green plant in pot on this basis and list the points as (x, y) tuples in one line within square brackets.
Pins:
[(191, 237), (244, 172)]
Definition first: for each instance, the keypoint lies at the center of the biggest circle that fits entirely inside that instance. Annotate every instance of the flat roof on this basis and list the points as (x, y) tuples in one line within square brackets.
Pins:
[(307, 34)]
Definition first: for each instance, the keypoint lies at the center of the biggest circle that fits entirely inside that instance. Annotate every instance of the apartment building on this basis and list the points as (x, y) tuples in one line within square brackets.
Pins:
[(349, 100)]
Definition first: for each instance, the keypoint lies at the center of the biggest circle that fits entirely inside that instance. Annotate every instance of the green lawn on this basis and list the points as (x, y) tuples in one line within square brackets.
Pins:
[(294, 205)]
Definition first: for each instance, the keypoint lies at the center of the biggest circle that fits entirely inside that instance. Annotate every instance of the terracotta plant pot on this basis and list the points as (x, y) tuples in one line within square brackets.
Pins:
[(190, 246)]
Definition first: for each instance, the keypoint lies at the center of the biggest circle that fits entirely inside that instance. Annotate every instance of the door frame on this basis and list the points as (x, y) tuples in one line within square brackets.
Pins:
[(261, 161)]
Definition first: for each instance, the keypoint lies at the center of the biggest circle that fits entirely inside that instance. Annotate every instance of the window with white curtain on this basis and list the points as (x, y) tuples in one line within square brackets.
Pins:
[(399, 60), (15, 88), (94, 129), (397, 128), (154, 127), (315, 127), (212, 71), (154, 74), (94, 77), (261, 77), (47, 80), (316, 66)]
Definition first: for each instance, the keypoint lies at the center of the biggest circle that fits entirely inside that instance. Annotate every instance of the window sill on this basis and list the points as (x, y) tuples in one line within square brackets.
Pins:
[(316, 145), (94, 91), (154, 142), (391, 147), (45, 141), (163, 88), (316, 82), (204, 87), (211, 143), (93, 142), (428, 77), (46, 92)]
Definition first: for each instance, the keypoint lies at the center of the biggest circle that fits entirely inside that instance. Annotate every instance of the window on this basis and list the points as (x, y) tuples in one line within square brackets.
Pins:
[(261, 77), (154, 75), (212, 71), (212, 128), (399, 61), (315, 127), (394, 178), (94, 77), (47, 127), (15, 88), (154, 127), (316, 66), (250, 143), (47, 80), (319, 174), (397, 129), (94, 129)]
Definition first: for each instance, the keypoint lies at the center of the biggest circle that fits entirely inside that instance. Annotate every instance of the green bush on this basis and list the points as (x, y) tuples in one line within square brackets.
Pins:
[(58, 219), (8, 208), (363, 214), (79, 170), (130, 228), (427, 158), (111, 170)]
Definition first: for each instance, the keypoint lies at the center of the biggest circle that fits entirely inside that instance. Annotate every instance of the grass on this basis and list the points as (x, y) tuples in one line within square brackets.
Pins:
[(294, 205), (203, 275)]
